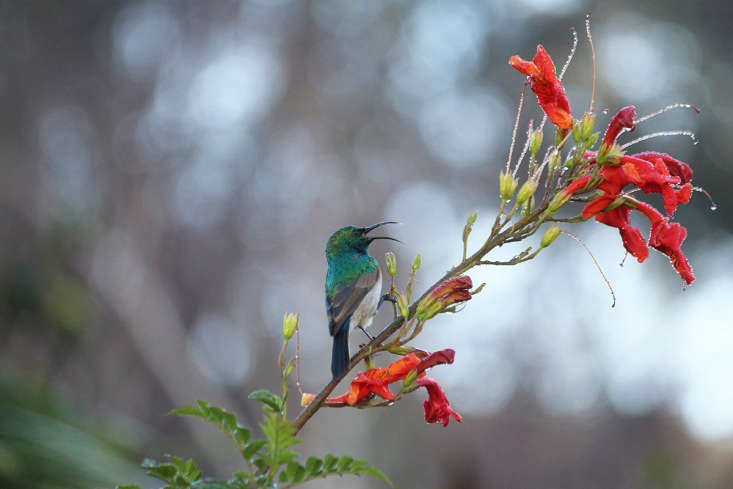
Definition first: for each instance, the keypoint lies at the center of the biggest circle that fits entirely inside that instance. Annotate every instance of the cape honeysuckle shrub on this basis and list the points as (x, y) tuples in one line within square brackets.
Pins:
[(603, 176)]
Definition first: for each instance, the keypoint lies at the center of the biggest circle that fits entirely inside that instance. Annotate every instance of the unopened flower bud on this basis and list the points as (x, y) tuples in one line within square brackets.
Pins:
[(577, 132), (507, 185), (469, 225), (290, 323), (550, 235), (592, 139), (526, 191), (561, 197), (535, 141), (416, 263), (472, 219), (391, 261), (555, 160), (402, 304), (587, 124), (289, 369)]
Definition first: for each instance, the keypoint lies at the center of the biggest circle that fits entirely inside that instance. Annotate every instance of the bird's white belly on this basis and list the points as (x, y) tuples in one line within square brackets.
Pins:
[(366, 311)]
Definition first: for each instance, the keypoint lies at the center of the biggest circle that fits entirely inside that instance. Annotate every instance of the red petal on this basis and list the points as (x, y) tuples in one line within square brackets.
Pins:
[(436, 358), (624, 118), (676, 167)]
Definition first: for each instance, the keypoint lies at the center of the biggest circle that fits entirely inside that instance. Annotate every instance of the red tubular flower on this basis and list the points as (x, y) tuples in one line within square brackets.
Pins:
[(444, 295), (675, 167), (624, 118), (630, 236), (668, 237), (437, 407), (544, 83), (436, 358), (376, 380), (448, 287)]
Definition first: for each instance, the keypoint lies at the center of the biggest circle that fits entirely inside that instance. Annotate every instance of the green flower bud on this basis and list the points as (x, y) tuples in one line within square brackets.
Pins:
[(472, 219), (555, 160), (507, 185), (577, 132), (550, 235), (289, 369), (290, 323), (402, 304), (526, 191), (428, 310), (391, 261), (587, 123), (469, 225), (592, 139), (535, 141), (416, 263)]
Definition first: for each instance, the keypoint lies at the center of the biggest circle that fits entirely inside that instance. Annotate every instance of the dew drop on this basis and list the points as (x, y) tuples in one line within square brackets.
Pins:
[(604, 111), (713, 206)]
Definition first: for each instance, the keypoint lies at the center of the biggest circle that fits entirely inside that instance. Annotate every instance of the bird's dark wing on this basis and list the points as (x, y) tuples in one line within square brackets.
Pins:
[(347, 298)]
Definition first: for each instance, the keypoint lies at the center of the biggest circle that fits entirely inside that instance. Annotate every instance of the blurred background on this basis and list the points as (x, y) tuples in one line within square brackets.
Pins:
[(171, 171)]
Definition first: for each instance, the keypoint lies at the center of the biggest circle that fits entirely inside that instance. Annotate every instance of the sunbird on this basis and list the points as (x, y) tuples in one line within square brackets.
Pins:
[(353, 287)]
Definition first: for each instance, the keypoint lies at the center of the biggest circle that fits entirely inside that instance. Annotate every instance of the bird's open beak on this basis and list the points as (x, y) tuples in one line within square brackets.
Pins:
[(375, 226)]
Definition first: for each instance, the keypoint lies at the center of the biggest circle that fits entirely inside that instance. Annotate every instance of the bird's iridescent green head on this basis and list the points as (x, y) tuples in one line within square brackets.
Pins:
[(352, 239)]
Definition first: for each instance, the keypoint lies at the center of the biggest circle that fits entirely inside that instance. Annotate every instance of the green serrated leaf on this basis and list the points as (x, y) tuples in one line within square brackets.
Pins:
[(295, 471), (286, 456), (260, 463), (204, 406), (212, 484), (186, 411), (313, 466), (376, 473), (252, 448), (268, 398), (329, 462), (216, 414), (241, 434), (166, 472), (229, 421), (344, 463), (357, 465)]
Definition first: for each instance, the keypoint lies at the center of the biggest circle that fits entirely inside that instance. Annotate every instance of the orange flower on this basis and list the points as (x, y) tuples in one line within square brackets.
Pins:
[(377, 380), (544, 83)]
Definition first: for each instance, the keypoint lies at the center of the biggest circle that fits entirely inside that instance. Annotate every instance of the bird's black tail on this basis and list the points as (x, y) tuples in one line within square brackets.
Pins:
[(340, 353)]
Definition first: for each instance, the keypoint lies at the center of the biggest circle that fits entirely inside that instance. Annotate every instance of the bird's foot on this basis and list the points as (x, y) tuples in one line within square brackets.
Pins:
[(388, 298)]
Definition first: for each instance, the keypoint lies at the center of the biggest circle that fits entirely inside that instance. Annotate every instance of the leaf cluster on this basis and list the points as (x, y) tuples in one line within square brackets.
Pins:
[(270, 461)]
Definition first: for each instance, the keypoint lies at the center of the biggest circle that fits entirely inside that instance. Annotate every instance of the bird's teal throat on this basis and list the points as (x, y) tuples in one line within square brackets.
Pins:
[(344, 268)]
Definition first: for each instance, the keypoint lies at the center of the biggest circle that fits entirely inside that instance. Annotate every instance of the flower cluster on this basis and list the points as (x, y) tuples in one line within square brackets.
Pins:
[(609, 171), (411, 370)]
